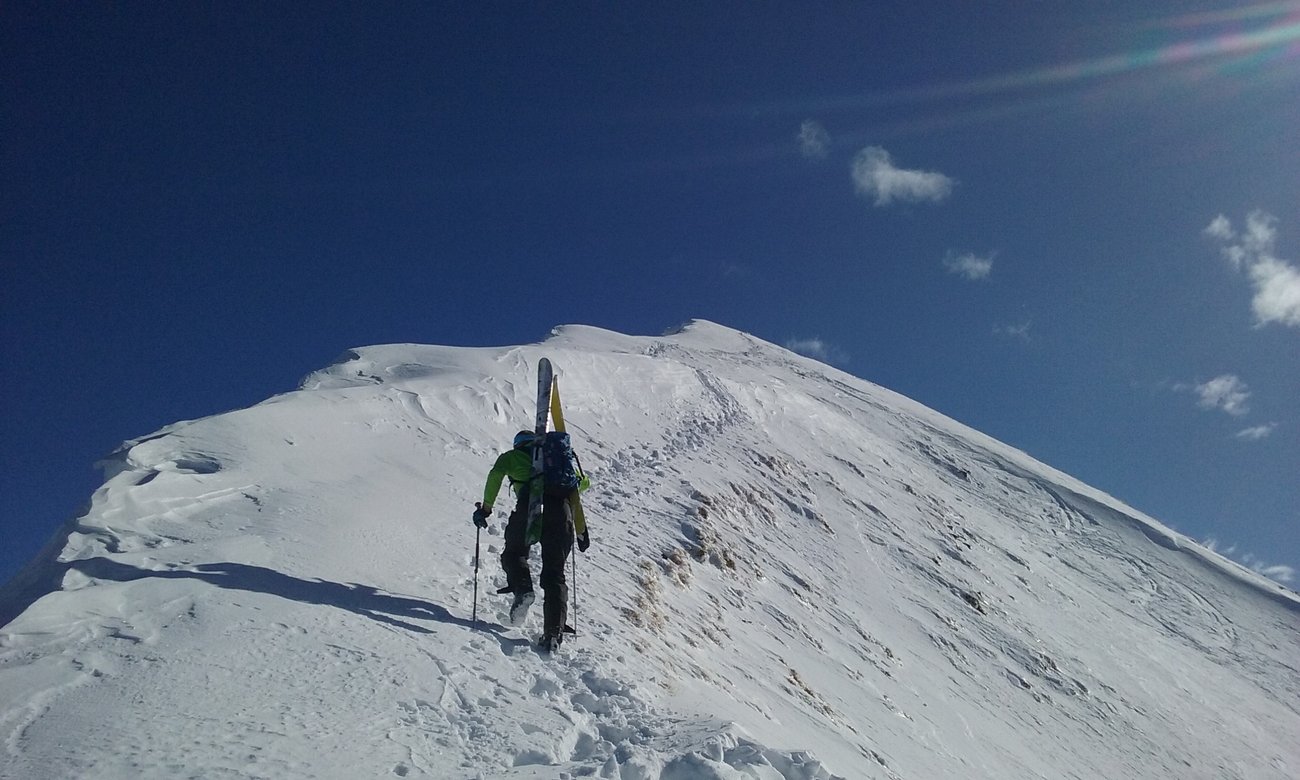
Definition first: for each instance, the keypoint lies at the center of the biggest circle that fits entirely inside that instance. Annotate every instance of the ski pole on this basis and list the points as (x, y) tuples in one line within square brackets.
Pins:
[(575, 592), (575, 560), (477, 532)]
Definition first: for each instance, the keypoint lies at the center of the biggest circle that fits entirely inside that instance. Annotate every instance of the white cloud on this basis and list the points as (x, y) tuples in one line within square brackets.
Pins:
[(970, 265), (1212, 544), (1257, 432), (875, 175), (1276, 282), (734, 270), (1221, 228), (1018, 331), (1274, 571), (1277, 292), (1225, 392), (814, 141), (818, 349)]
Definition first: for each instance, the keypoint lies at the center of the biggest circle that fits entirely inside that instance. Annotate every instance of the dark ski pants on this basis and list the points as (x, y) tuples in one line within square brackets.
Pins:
[(557, 542)]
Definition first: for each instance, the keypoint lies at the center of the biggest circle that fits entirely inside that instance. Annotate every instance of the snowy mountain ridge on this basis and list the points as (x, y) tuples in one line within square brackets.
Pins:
[(794, 574)]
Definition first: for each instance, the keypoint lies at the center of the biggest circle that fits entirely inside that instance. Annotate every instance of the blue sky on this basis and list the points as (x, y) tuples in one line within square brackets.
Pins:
[(1073, 226)]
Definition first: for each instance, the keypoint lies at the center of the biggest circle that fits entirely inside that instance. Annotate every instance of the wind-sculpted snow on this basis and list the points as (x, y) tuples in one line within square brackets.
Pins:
[(794, 574)]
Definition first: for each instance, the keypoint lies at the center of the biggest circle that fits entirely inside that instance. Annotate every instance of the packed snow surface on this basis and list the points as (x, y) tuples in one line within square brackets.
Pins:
[(794, 574)]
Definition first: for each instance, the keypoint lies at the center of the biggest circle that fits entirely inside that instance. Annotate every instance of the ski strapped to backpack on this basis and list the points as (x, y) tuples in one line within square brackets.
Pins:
[(544, 380), (575, 499)]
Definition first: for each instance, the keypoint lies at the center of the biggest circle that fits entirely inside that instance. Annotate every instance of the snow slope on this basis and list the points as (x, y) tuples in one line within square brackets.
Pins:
[(794, 574)]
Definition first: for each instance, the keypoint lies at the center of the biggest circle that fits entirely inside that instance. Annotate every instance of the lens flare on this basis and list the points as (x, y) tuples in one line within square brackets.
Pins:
[(1277, 39), (1266, 42)]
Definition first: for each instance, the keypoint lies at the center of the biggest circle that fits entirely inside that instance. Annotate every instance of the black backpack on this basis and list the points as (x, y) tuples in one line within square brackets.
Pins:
[(559, 469)]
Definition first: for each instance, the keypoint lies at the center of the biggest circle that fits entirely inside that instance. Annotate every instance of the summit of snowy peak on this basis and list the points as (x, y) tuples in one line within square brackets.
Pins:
[(698, 325), (693, 334), (712, 336), (388, 363)]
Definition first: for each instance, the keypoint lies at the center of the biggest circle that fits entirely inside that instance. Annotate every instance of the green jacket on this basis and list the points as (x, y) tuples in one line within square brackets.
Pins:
[(517, 464)]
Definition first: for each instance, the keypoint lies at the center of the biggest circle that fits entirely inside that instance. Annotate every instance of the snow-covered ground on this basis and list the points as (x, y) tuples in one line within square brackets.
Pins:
[(794, 574)]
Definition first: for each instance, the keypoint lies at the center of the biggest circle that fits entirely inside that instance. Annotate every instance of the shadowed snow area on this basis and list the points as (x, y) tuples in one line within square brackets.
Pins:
[(794, 574)]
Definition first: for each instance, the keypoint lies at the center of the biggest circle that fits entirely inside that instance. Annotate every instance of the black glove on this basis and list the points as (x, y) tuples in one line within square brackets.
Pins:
[(584, 541), (481, 515)]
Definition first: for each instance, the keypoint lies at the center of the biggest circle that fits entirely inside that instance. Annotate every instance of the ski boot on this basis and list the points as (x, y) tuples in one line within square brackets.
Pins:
[(519, 607), (550, 641)]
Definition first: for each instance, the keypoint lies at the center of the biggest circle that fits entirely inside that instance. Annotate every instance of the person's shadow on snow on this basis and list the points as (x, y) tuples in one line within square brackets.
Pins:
[(362, 599)]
